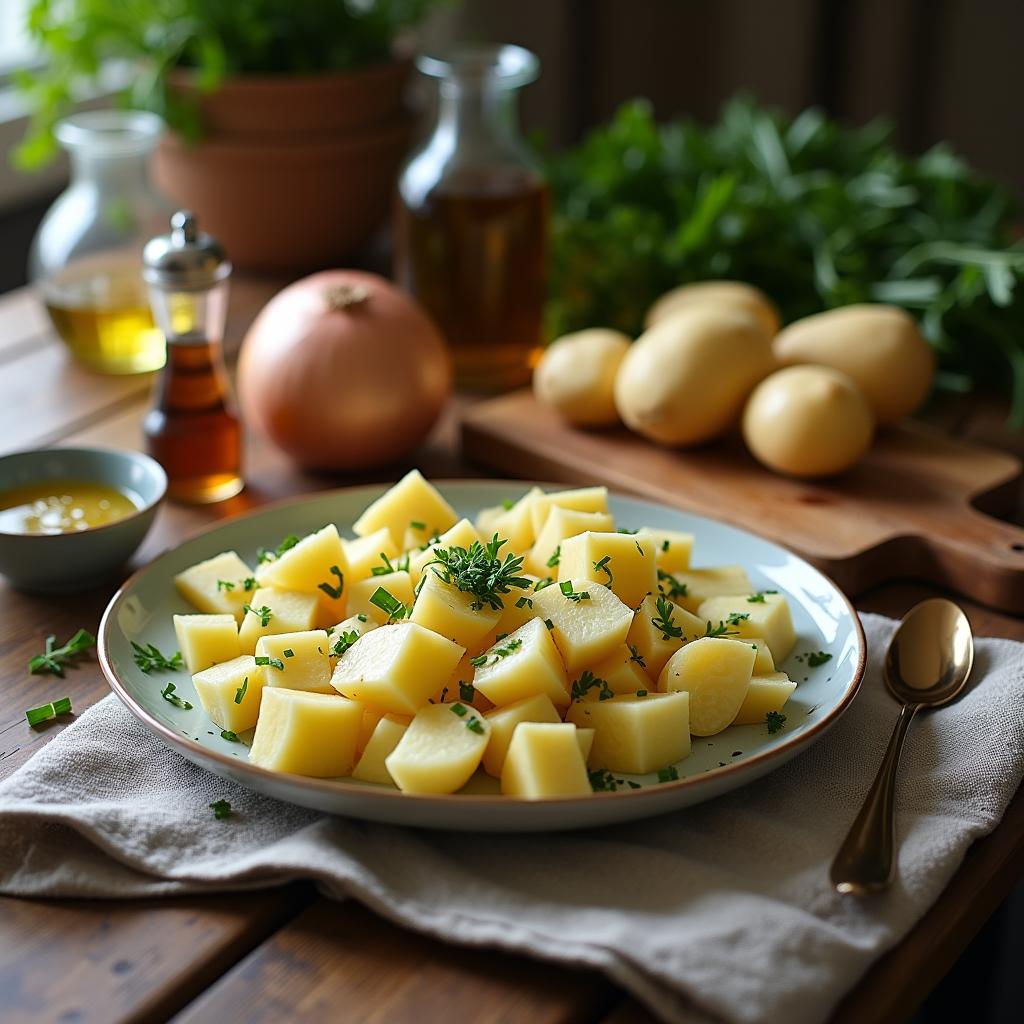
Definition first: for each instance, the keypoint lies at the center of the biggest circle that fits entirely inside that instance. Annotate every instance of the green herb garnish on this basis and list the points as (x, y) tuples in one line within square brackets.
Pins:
[(225, 585), (333, 591), (627, 530), (169, 695), (566, 588), (670, 586), (263, 614), (602, 566), (542, 584), (344, 642), (35, 716), (553, 561), (288, 652), (817, 658), (641, 693), (549, 624), (498, 653), (415, 524), (524, 602), (54, 659), (221, 809), (263, 660), (669, 774), (774, 721), (231, 737), (507, 503), (249, 583), (240, 692), (663, 621), (602, 780), (588, 681), (474, 725), (735, 618), (635, 655), (362, 618), (402, 565), (389, 604), (149, 659), (459, 709), (479, 570), (721, 629)]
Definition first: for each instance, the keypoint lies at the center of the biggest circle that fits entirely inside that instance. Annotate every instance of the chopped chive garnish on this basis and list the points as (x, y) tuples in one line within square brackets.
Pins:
[(249, 583), (735, 618), (288, 652), (566, 589), (467, 691), (263, 614), (626, 530), (231, 737), (333, 591), (389, 604), (277, 663), (459, 709), (498, 653), (149, 659), (225, 585), (541, 584), (553, 561), (641, 693), (416, 524), (402, 565), (550, 625), (35, 716), (53, 659), (524, 602), (221, 809), (240, 692), (362, 618), (171, 697), (474, 725), (666, 544), (602, 566), (669, 774), (344, 642), (774, 721)]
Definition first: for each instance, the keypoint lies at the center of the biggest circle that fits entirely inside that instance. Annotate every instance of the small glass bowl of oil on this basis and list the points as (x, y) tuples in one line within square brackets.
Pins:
[(71, 517)]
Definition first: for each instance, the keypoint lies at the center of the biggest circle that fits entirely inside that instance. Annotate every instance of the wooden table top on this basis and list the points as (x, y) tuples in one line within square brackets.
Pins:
[(287, 953)]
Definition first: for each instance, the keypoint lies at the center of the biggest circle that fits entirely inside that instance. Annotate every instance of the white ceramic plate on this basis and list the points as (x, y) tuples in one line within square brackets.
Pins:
[(824, 621)]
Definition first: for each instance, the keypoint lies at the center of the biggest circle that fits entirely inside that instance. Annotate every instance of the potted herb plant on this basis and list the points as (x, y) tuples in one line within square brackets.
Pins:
[(287, 124)]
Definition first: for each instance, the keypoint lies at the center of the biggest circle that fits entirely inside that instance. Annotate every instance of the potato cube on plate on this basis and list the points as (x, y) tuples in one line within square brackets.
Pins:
[(358, 624), (766, 693), (461, 535), (763, 662), (385, 737), (658, 631), (440, 750), (396, 668), (364, 553), (412, 499), (317, 565), (767, 616), (217, 585), (503, 722), (585, 738), (716, 673), (589, 623), (276, 611), (451, 612), (701, 584), (487, 517), (622, 562), (397, 584), (205, 640), (230, 692), (561, 524), (515, 524), (582, 499), (544, 759), (620, 673), (636, 734), (303, 733), (672, 548), (522, 664), (296, 661)]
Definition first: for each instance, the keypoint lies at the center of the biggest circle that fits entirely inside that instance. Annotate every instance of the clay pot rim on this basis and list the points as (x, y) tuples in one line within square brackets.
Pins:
[(185, 77)]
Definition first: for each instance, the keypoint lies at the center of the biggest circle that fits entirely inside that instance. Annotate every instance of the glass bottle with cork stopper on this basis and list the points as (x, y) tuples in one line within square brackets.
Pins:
[(192, 429)]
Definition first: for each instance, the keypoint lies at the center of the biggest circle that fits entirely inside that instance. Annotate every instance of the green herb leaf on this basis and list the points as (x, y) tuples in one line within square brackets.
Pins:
[(225, 585), (641, 693), (556, 557), (722, 629), (475, 725), (602, 566), (459, 709), (231, 737), (495, 654), (817, 658), (635, 655), (333, 591), (416, 524), (240, 692), (670, 586), (480, 570), (169, 695), (264, 614), (389, 604), (149, 659), (263, 660), (775, 721), (221, 809), (669, 774), (588, 681), (467, 691), (507, 503), (54, 659), (344, 642), (249, 583), (288, 652), (566, 588), (664, 621)]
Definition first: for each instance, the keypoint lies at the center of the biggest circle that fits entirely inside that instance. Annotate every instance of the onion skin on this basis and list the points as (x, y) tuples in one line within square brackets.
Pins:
[(343, 371)]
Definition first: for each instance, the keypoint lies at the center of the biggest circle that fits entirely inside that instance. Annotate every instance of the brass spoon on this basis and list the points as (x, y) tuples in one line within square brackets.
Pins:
[(927, 664)]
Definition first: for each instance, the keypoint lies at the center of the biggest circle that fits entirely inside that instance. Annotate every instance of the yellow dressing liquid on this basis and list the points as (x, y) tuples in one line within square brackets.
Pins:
[(63, 506)]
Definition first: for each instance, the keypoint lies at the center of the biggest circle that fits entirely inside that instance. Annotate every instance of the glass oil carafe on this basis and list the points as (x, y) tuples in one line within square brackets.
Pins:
[(472, 219), (192, 428), (86, 256)]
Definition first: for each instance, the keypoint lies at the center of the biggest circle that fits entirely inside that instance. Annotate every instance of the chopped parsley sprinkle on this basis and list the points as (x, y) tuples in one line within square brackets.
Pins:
[(53, 659), (602, 566), (774, 721), (669, 774), (602, 781), (149, 659), (249, 583), (459, 709), (475, 725), (507, 503), (270, 662), (480, 570), (588, 681), (635, 655), (416, 524), (626, 530), (225, 585), (263, 555), (344, 642), (639, 548), (240, 692), (735, 618), (389, 604), (663, 621), (35, 716), (288, 652), (231, 737), (641, 693), (541, 584), (670, 586), (333, 591), (361, 617), (721, 629), (498, 653), (169, 695), (566, 588), (402, 565), (263, 614), (221, 809), (666, 544), (549, 624), (816, 658), (555, 558), (467, 691), (525, 602)]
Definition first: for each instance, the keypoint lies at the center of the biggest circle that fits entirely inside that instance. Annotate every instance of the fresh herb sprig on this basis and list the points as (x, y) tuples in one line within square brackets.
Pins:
[(775, 721), (664, 621), (264, 614), (572, 595), (587, 682), (480, 570), (344, 642), (55, 659), (149, 659), (670, 586)]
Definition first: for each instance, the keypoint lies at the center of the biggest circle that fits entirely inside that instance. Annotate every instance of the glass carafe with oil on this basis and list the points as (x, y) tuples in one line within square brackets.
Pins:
[(86, 256), (472, 219)]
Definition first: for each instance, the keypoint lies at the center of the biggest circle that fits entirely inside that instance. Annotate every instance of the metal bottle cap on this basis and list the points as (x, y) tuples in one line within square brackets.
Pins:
[(186, 259)]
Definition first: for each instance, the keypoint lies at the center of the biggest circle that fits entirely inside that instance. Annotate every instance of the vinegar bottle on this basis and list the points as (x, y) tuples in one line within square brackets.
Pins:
[(472, 219), (192, 429)]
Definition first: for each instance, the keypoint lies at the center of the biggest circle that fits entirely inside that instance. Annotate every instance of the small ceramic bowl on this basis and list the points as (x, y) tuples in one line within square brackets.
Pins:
[(48, 563)]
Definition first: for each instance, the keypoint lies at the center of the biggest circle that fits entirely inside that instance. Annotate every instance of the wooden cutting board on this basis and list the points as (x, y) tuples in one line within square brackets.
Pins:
[(918, 506)]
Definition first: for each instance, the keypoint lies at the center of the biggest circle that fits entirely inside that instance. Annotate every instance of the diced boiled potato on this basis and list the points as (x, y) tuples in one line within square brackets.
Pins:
[(766, 693), (386, 735), (460, 686), (763, 662), (516, 523), (561, 524), (302, 657), (289, 612), (440, 750), (518, 609), (585, 738), (217, 585), (396, 668), (481, 784), (657, 633), (621, 672), (413, 499), (487, 517), (716, 673), (451, 612), (358, 624), (364, 553), (230, 693), (622, 562), (704, 583), (585, 630), (544, 760), (303, 733), (768, 618), (397, 584), (636, 734), (205, 640), (315, 563), (461, 535), (582, 499), (503, 721), (672, 548), (522, 665)]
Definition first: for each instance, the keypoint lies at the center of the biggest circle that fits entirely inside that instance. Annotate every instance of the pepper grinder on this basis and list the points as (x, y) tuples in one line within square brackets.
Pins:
[(192, 428)]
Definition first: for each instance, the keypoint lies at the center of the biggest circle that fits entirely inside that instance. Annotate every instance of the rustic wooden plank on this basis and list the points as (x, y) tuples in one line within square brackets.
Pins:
[(25, 324), (348, 958), (106, 962)]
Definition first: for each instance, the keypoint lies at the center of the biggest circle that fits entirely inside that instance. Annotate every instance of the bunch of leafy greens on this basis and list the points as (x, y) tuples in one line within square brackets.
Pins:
[(816, 214), (212, 37)]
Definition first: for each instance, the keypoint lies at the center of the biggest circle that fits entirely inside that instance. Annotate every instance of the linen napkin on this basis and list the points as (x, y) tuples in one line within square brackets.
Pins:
[(722, 911)]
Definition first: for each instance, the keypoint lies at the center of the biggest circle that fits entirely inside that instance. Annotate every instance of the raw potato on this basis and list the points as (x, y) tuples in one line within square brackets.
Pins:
[(576, 376), (880, 347), (218, 686), (808, 421), (205, 640), (544, 759), (440, 750), (716, 674), (685, 379), (724, 294)]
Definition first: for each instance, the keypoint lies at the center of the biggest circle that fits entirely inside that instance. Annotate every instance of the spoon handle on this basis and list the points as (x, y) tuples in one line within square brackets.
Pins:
[(864, 862)]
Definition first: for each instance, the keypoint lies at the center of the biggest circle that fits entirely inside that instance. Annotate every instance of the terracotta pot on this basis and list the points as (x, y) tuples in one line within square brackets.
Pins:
[(293, 173)]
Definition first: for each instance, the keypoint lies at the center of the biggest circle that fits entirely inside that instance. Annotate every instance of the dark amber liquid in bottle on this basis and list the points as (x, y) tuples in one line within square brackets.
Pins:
[(192, 429), (474, 254)]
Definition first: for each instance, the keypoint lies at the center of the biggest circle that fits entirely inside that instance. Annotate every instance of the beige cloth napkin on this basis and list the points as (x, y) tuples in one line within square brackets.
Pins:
[(721, 911)]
